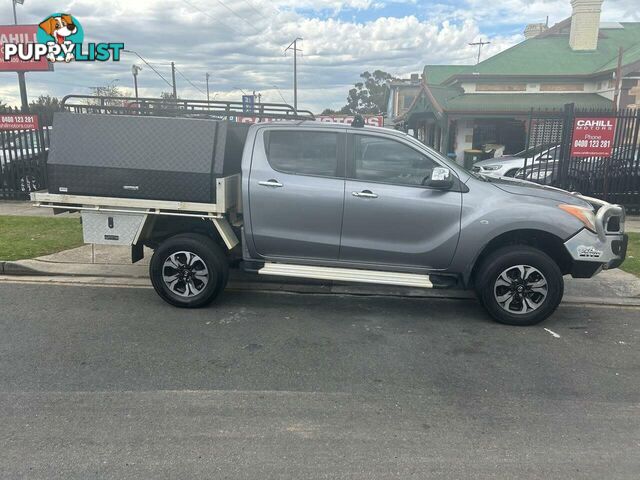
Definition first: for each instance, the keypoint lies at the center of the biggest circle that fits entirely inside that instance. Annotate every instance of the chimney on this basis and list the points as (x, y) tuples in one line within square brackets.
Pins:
[(585, 24), (415, 77), (534, 29)]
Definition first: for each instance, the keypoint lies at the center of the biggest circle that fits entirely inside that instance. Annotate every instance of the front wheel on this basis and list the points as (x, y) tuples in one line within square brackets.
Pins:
[(189, 270), (519, 285)]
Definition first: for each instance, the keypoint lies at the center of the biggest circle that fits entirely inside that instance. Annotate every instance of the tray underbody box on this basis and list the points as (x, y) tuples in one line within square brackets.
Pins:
[(134, 156)]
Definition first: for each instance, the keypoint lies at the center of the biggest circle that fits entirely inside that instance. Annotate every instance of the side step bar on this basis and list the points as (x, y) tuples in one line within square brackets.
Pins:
[(346, 275)]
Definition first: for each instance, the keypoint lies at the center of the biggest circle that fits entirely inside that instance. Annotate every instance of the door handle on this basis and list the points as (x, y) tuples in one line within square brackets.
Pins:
[(271, 183), (364, 194)]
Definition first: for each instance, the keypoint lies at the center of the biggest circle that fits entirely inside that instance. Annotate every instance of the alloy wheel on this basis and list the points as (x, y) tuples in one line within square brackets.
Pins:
[(520, 289), (185, 274)]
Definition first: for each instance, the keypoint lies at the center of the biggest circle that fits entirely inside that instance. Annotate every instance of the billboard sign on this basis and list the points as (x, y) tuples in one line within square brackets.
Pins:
[(18, 121), (16, 35), (593, 136)]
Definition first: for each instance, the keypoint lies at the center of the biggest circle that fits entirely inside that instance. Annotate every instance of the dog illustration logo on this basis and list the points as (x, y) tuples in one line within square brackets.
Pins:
[(64, 30)]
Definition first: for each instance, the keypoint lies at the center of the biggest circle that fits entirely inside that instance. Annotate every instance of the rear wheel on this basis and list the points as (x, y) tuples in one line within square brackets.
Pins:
[(519, 285), (189, 270)]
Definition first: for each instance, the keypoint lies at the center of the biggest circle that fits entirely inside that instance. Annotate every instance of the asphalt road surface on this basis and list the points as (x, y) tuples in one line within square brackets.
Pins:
[(112, 383)]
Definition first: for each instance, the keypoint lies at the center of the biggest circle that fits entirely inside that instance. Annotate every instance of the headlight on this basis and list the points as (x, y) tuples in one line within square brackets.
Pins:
[(492, 167), (586, 215)]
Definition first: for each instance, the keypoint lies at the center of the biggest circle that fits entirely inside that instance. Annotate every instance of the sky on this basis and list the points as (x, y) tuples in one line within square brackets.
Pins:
[(241, 43)]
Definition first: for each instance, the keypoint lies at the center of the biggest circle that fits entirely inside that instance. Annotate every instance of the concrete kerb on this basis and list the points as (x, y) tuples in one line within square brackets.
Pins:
[(137, 276)]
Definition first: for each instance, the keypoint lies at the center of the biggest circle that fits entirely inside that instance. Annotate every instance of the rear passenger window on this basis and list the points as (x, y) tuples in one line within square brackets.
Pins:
[(303, 153)]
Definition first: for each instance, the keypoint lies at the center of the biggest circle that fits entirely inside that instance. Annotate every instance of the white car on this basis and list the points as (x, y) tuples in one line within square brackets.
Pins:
[(508, 165)]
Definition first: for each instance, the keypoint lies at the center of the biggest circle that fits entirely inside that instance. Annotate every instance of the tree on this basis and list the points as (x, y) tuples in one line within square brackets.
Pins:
[(45, 106), (369, 97), (103, 92)]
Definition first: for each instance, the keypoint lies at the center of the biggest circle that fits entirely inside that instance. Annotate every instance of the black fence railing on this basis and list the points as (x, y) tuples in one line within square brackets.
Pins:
[(23, 159), (614, 178)]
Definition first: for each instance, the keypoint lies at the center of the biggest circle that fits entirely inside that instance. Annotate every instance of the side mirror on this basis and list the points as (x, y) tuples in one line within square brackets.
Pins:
[(440, 178)]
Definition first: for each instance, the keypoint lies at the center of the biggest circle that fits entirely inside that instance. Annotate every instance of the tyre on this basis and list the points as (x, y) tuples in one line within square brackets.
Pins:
[(189, 270), (519, 285)]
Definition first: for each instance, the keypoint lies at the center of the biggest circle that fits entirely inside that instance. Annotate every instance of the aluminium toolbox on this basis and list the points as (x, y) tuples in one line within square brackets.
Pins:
[(145, 157)]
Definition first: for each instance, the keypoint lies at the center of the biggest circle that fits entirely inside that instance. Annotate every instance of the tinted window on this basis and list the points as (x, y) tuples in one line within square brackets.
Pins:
[(304, 153), (382, 160)]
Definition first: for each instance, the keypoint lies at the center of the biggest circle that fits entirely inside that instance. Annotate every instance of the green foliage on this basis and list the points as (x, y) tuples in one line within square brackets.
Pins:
[(632, 263), (45, 106), (370, 96), (110, 90)]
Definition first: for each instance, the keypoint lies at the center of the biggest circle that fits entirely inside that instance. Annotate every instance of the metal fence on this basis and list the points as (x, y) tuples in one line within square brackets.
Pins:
[(614, 178), (23, 160)]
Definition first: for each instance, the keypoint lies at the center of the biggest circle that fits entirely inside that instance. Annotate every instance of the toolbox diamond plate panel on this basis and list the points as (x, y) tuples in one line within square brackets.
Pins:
[(141, 156)]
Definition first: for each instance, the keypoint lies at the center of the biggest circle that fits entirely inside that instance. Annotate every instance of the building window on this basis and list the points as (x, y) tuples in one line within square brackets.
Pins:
[(501, 87), (562, 87)]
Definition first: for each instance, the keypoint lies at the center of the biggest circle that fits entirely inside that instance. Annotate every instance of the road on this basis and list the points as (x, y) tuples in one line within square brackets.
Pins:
[(112, 383)]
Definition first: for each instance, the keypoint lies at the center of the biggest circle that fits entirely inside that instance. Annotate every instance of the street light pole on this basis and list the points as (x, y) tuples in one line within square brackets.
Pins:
[(135, 69), (173, 78), (22, 82)]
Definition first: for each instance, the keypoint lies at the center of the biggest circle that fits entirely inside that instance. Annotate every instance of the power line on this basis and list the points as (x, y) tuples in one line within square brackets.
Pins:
[(150, 66), (207, 14), (238, 15), (190, 82), (253, 8)]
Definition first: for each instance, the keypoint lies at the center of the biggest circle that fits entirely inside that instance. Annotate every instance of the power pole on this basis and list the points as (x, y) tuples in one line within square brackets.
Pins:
[(173, 79), (616, 94), (207, 77), (294, 46), (22, 82), (479, 44)]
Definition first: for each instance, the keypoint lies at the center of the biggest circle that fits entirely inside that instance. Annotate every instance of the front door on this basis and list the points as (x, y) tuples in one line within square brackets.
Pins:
[(389, 216), (296, 192)]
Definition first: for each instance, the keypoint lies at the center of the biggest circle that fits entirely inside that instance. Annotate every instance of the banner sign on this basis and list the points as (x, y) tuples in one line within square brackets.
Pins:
[(593, 137), (18, 122), (370, 120), (20, 34)]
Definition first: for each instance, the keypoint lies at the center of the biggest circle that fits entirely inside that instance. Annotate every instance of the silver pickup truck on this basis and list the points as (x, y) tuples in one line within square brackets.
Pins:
[(368, 205)]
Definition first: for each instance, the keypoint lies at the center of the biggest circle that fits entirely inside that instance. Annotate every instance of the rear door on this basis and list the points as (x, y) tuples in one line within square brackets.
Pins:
[(296, 192), (389, 216)]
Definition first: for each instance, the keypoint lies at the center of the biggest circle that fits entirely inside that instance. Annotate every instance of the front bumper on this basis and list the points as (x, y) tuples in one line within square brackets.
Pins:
[(605, 249)]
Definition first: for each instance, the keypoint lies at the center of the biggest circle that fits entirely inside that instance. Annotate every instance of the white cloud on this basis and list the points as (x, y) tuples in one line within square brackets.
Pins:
[(242, 45)]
